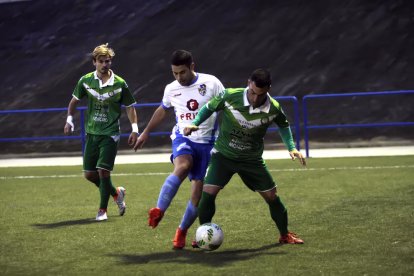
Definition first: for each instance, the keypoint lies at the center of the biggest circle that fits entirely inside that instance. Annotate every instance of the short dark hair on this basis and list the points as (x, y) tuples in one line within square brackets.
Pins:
[(261, 78), (182, 57)]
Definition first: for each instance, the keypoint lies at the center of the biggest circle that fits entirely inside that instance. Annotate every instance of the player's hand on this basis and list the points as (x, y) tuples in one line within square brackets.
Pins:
[(189, 129), (297, 154), (132, 139), (69, 128), (139, 143)]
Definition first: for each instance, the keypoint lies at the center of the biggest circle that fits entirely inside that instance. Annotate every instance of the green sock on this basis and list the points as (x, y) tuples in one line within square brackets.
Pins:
[(105, 190), (278, 212), (113, 189), (206, 208)]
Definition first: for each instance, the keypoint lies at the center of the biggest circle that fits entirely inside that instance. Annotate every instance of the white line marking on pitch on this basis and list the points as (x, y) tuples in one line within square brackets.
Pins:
[(165, 173)]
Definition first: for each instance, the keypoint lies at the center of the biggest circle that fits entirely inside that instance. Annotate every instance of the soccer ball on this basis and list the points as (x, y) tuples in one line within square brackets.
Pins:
[(209, 236)]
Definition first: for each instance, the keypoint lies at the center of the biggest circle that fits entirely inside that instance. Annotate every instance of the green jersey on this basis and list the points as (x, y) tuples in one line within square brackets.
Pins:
[(242, 127), (104, 102)]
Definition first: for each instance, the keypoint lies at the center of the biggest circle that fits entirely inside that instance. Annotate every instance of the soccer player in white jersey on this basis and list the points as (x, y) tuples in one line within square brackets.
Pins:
[(190, 154)]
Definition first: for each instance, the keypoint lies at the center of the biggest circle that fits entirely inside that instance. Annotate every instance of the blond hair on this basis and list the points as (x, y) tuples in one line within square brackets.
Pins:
[(103, 50)]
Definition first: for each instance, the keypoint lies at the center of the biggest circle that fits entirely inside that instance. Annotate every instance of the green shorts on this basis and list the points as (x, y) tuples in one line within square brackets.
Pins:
[(253, 173), (100, 152)]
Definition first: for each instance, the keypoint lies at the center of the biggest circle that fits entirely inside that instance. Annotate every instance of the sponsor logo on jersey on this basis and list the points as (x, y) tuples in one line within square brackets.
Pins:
[(239, 145), (202, 89), (192, 105), (188, 116)]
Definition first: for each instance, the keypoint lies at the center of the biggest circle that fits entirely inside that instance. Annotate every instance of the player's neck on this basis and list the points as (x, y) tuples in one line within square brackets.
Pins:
[(104, 77)]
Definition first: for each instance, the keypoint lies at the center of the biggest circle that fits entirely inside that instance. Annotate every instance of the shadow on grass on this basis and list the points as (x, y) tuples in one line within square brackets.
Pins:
[(210, 258), (65, 223)]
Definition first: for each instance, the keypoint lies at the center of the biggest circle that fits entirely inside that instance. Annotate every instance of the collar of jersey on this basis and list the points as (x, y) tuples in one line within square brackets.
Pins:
[(110, 82), (195, 80), (263, 108)]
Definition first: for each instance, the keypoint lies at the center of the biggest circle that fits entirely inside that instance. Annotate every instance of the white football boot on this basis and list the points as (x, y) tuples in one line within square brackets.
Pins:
[(101, 215), (120, 200)]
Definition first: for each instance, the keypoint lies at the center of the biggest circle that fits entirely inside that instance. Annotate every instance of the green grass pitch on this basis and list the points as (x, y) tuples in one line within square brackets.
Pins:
[(356, 216)]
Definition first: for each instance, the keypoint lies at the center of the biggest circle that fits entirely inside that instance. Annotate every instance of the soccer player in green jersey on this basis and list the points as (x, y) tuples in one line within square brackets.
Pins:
[(246, 115), (106, 93)]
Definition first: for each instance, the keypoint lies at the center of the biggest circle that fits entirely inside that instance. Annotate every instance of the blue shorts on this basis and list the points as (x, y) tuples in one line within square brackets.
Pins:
[(200, 153)]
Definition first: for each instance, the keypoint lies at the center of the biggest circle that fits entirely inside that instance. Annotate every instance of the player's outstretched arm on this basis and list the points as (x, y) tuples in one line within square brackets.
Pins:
[(202, 115), (297, 154)]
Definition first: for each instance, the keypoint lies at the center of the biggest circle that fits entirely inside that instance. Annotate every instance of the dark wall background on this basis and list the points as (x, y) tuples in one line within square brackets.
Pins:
[(309, 46)]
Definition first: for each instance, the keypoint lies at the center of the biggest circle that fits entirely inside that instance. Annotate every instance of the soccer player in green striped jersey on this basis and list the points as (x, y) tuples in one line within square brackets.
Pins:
[(246, 115), (106, 93)]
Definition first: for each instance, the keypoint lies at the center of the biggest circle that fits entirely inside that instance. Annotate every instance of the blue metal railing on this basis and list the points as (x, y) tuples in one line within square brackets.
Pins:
[(47, 138), (292, 99), (308, 126), (83, 109)]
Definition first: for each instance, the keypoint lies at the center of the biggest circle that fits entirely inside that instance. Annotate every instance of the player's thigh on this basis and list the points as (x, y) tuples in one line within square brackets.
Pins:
[(201, 159), (256, 176), (220, 170), (108, 149), (91, 153)]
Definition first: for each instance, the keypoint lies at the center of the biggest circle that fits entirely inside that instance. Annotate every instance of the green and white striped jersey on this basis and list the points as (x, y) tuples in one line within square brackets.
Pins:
[(243, 127), (104, 102)]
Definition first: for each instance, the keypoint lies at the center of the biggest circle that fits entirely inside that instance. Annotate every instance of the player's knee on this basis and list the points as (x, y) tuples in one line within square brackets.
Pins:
[(91, 176), (185, 166), (269, 197), (182, 170), (104, 173)]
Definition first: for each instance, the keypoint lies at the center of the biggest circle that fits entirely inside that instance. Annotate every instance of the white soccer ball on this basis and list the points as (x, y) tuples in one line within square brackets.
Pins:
[(209, 236)]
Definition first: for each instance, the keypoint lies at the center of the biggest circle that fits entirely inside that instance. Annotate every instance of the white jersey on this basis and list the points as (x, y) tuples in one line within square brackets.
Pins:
[(187, 101)]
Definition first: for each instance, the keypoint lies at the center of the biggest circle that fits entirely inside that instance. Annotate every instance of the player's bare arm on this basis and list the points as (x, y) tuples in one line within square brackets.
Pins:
[(133, 119), (69, 125), (156, 119)]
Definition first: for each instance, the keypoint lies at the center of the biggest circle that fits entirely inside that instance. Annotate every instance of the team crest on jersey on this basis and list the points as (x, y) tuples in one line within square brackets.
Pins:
[(264, 120), (202, 89), (192, 105)]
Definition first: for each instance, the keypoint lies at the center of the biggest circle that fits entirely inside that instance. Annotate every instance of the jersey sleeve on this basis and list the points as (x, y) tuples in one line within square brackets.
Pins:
[(79, 91), (127, 97), (217, 102), (284, 127), (202, 115), (280, 120), (218, 88), (166, 102), (287, 138)]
